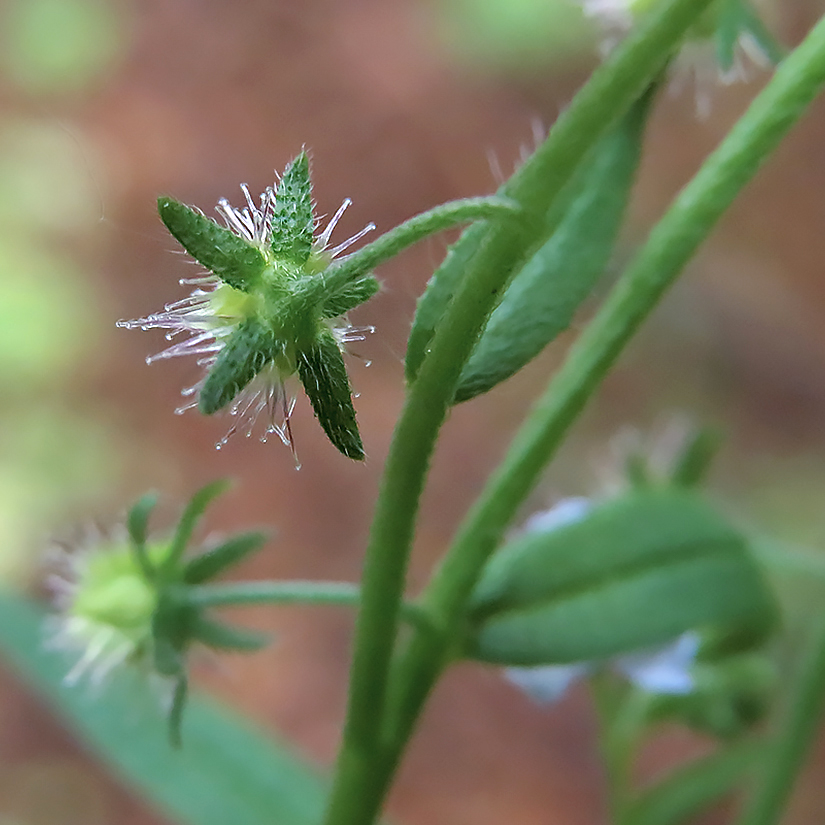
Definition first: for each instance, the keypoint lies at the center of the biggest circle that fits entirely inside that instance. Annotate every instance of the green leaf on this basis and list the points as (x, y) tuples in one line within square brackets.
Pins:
[(728, 21), (231, 258), (324, 376), (226, 637), (351, 296), (293, 223), (249, 349), (170, 635), (226, 771), (543, 297), (627, 533), (213, 562), (636, 572), (753, 26), (439, 292), (179, 697), (192, 513)]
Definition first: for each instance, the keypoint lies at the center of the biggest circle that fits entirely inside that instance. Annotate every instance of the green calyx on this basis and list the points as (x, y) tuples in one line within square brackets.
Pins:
[(273, 312), (141, 591)]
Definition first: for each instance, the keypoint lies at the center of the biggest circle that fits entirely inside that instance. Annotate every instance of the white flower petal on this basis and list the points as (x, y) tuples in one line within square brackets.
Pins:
[(666, 670), (565, 511), (546, 684)]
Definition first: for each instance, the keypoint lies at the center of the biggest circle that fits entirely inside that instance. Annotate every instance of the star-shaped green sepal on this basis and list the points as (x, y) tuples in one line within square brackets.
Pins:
[(270, 313)]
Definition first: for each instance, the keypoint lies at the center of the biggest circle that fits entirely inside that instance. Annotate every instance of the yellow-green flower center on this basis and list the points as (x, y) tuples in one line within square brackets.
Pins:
[(113, 592)]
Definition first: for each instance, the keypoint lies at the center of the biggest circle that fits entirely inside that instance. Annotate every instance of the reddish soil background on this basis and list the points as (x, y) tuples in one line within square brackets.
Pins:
[(211, 94)]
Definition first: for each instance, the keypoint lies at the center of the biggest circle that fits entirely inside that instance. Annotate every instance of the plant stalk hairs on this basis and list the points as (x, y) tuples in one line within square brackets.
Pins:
[(651, 595)]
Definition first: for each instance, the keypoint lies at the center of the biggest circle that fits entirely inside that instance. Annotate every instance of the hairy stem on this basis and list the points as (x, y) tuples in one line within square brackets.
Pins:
[(364, 763), (338, 594), (671, 244), (443, 217)]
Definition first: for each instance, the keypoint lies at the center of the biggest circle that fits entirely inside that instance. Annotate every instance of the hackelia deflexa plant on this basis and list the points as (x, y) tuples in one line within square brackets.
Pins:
[(264, 313)]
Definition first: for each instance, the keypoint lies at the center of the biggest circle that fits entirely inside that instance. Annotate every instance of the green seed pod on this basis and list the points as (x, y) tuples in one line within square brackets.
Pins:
[(324, 376), (228, 256)]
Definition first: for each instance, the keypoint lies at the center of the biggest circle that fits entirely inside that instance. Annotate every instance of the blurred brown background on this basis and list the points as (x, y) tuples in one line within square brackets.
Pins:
[(105, 104)]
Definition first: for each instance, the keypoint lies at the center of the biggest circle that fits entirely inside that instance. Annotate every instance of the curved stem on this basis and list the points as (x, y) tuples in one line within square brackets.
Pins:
[(799, 729), (440, 218), (671, 244), (338, 594), (692, 788), (365, 764)]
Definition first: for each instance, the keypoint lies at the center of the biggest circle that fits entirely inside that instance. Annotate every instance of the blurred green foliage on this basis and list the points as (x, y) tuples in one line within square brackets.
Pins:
[(54, 46), (46, 182), (517, 35), (55, 457)]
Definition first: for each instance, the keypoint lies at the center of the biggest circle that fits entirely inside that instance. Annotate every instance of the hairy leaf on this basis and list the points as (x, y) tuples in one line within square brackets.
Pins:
[(215, 561), (249, 349), (543, 297), (226, 771), (635, 572)]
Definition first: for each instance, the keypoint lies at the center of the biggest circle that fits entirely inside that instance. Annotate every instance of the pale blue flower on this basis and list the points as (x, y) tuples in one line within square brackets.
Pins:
[(664, 670)]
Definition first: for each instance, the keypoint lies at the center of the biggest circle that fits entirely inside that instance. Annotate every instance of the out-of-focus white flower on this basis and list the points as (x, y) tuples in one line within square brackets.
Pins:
[(665, 670), (719, 49), (565, 511)]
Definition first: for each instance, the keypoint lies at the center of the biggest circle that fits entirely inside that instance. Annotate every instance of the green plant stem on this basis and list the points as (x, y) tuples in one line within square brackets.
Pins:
[(622, 713), (690, 789), (671, 244), (339, 594), (784, 759), (365, 764), (440, 218)]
